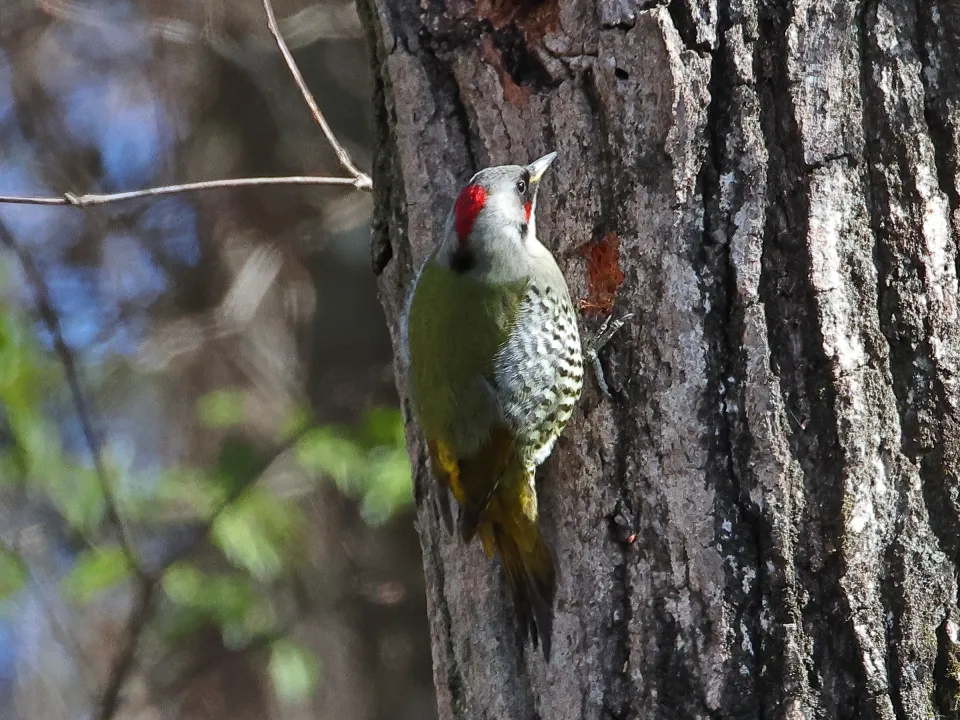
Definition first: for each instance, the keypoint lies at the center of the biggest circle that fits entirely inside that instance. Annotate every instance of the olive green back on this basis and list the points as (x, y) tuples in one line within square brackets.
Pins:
[(456, 327)]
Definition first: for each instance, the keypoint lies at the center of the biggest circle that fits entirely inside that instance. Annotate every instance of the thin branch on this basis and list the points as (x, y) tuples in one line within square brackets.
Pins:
[(137, 622), (69, 199), (363, 180), (150, 582), (71, 371), (359, 179), (147, 583)]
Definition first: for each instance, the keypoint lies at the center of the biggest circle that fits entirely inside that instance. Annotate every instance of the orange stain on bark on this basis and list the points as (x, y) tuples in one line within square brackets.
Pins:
[(604, 276), (534, 18)]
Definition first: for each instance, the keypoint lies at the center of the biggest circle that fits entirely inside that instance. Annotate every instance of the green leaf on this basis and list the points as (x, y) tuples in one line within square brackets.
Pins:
[(183, 583), (13, 575), (186, 492), (222, 408), (374, 468), (76, 492), (390, 486), (238, 465), (259, 620), (227, 600), (326, 451), (384, 426), (294, 671), (298, 421), (21, 365), (256, 532), (11, 469), (37, 441), (96, 571)]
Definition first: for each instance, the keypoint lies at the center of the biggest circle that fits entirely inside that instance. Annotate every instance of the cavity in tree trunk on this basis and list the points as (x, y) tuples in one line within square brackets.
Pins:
[(764, 519)]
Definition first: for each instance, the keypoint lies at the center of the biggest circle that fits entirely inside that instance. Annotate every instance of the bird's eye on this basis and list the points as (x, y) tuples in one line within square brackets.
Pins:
[(521, 186)]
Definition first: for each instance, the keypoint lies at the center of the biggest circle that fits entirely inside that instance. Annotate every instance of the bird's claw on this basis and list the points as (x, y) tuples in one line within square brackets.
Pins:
[(608, 329)]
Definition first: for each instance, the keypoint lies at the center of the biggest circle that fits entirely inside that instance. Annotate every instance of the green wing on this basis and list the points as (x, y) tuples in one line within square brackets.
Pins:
[(456, 327)]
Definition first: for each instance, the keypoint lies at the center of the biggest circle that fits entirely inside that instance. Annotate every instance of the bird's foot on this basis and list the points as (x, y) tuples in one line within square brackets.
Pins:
[(608, 329)]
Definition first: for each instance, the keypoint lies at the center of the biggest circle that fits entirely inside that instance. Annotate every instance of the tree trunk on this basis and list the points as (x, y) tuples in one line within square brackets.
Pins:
[(763, 521)]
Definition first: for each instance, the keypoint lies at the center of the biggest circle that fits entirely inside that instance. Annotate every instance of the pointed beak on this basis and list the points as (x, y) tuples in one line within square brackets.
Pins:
[(538, 167)]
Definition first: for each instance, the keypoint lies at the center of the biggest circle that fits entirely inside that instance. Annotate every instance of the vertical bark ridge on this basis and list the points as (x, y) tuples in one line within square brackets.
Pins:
[(738, 532), (797, 359), (818, 276), (766, 469), (938, 29), (915, 264), (605, 215), (679, 658)]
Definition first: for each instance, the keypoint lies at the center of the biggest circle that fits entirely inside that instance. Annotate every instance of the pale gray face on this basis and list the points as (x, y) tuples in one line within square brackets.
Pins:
[(493, 224)]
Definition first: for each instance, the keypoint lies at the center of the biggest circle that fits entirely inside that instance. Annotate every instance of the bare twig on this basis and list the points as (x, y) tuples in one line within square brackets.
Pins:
[(146, 585), (147, 590), (359, 179), (148, 582), (49, 318), (71, 200), (363, 180), (139, 617)]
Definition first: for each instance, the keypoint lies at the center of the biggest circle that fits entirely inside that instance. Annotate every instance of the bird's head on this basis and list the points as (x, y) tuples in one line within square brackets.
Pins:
[(493, 222)]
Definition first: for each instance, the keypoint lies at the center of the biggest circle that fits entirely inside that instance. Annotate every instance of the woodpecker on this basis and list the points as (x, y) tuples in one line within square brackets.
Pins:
[(495, 367)]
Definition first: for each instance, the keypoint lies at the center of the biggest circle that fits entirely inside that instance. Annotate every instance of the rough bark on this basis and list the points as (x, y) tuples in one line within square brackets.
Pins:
[(783, 441)]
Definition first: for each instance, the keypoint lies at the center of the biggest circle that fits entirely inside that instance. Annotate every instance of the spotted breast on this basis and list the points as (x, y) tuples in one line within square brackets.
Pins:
[(539, 371)]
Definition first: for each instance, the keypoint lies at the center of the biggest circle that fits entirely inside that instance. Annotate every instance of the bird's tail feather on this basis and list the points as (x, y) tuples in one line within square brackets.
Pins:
[(497, 495), (531, 578)]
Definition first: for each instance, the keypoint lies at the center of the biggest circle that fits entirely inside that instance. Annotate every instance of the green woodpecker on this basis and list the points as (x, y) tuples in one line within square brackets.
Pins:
[(495, 367)]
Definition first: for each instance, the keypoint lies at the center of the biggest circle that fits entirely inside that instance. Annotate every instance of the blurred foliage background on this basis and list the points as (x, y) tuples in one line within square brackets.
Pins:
[(204, 493)]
